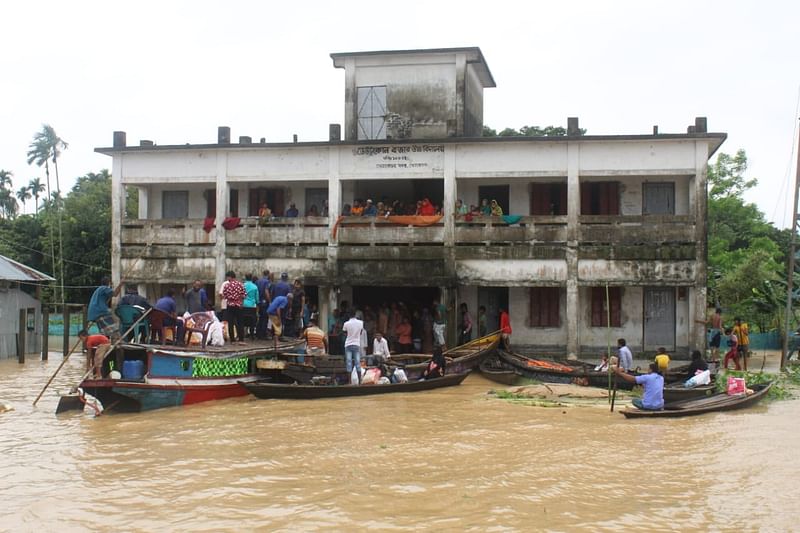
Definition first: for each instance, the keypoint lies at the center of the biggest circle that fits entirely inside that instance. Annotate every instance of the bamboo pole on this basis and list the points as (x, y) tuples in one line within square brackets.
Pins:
[(63, 362), (790, 272)]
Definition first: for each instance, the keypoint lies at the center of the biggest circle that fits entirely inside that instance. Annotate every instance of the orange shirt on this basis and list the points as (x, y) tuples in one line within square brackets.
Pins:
[(93, 341), (315, 337), (505, 323), (403, 332)]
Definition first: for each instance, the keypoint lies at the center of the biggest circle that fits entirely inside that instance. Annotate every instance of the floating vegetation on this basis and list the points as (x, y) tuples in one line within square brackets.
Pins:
[(785, 386)]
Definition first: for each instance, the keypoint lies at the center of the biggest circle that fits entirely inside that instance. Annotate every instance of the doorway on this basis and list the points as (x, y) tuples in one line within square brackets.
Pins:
[(659, 318), (413, 297), (495, 192), (494, 299)]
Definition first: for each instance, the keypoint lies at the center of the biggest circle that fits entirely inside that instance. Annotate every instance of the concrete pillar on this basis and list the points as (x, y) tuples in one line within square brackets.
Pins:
[(450, 194), (144, 199), (350, 100), (573, 234), (447, 296), (334, 208), (461, 96), (117, 210), (697, 329), (325, 309), (220, 266)]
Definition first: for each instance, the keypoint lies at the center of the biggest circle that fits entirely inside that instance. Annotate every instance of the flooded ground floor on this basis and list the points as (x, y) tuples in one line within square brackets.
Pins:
[(453, 459)]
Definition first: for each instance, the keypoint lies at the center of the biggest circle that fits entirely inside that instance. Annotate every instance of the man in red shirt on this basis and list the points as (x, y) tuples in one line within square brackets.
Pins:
[(505, 329), (97, 347)]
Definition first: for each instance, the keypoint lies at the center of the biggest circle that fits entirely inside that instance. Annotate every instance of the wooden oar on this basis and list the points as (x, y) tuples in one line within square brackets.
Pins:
[(91, 369), (614, 394), (49, 381)]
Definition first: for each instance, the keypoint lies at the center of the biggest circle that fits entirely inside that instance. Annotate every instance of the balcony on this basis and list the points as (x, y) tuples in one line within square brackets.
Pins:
[(372, 231), (638, 229), (488, 230), (165, 231)]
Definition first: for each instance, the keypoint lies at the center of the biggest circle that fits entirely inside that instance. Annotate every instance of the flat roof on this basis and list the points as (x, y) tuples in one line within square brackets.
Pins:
[(717, 138), (474, 57)]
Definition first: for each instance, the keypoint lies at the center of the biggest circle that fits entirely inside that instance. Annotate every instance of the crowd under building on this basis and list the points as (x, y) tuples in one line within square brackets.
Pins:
[(593, 218)]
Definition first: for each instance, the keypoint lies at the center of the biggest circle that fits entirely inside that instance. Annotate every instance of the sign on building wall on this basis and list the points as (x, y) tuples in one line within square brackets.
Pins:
[(422, 158)]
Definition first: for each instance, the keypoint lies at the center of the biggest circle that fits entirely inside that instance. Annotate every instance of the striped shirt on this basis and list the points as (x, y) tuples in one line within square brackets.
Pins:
[(315, 337)]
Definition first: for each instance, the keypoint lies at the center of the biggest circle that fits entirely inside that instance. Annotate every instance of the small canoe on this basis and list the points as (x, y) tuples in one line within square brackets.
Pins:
[(698, 406), (469, 355), (675, 392), (267, 390), (492, 368)]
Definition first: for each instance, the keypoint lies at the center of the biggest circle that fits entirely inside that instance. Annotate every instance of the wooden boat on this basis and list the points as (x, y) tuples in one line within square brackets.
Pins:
[(460, 359), (174, 375), (492, 368), (675, 392), (541, 369), (698, 406), (268, 390)]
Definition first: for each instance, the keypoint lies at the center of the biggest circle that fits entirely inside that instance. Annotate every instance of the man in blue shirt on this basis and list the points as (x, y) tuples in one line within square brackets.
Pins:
[(282, 288), (279, 303), (264, 299), (167, 305), (653, 383), (99, 312)]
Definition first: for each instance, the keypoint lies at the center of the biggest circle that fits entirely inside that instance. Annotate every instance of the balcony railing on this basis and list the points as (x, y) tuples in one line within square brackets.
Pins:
[(368, 231), (495, 229), (380, 231), (636, 229)]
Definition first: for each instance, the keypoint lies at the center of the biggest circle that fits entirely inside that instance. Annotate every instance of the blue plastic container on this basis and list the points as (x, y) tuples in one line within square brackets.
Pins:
[(133, 369)]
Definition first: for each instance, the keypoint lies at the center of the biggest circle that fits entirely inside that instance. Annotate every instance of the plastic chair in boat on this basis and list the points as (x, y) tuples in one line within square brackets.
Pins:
[(158, 327), (201, 324), (128, 314)]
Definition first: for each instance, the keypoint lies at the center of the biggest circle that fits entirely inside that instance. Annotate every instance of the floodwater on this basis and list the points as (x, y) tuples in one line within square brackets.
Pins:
[(448, 460)]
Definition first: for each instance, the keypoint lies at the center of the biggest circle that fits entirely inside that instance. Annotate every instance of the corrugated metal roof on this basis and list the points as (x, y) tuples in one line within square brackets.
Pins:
[(11, 270)]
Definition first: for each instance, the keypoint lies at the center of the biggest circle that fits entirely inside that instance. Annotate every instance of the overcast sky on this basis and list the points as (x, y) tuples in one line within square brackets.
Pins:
[(172, 72)]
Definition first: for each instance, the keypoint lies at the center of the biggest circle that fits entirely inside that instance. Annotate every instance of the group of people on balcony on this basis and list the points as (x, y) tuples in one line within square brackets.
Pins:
[(486, 209), (265, 213), (385, 208)]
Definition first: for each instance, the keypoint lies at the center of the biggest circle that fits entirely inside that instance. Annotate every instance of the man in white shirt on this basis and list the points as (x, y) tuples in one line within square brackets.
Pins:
[(380, 349), (352, 344), (625, 355)]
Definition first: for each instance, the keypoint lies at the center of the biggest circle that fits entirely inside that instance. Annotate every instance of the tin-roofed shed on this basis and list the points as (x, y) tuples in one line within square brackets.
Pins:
[(13, 276)]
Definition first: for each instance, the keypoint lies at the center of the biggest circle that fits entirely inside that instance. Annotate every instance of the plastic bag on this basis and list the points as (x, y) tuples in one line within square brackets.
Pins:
[(399, 376), (354, 376), (384, 381), (371, 376), (701, 378), (736, 386)]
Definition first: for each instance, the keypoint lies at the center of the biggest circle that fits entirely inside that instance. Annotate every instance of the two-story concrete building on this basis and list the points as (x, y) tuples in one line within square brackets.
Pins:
[(590, 219)]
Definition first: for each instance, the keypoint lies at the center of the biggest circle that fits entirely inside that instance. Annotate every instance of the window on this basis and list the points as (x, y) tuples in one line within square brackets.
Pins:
[(548, 199), (600, 198), (211, 202), (545, 307), (175, 204), (599, 309), (658, 199), (272, 197), (372, 112)]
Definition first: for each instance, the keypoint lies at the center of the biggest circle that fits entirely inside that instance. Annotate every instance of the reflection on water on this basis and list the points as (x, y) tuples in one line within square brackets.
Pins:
[(450, 459)]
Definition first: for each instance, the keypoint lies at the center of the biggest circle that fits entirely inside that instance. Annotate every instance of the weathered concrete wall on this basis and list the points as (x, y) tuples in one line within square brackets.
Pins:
[(675, 158), (636, 272), (511, 272), (473, 108), (593, 339)]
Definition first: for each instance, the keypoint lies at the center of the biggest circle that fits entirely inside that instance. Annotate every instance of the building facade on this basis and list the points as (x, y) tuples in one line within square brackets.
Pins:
[(599, 230)]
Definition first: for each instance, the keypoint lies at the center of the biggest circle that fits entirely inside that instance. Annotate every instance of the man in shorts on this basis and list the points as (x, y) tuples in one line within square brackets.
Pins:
[(276, 307)]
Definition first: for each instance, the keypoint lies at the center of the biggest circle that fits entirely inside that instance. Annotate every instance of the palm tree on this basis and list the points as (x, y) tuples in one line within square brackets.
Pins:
[(5, 178), (36, 187), (23, 195), (8, 204)]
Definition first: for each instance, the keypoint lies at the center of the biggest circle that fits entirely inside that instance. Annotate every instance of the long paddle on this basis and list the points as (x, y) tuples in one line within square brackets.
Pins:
[(91, 369), (49, 381), (614, 394)]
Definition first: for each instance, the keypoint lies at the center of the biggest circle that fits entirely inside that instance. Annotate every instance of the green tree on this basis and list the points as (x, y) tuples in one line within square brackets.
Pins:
[(37, 188), (23, 195), (744, 250), (529, 131), (5, 178)]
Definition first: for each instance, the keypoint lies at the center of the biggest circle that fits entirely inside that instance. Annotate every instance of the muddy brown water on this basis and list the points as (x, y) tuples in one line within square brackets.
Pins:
[(452, 460)]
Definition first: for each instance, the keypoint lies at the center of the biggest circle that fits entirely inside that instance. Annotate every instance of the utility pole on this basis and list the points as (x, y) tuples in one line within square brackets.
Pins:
[(792, 252)]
